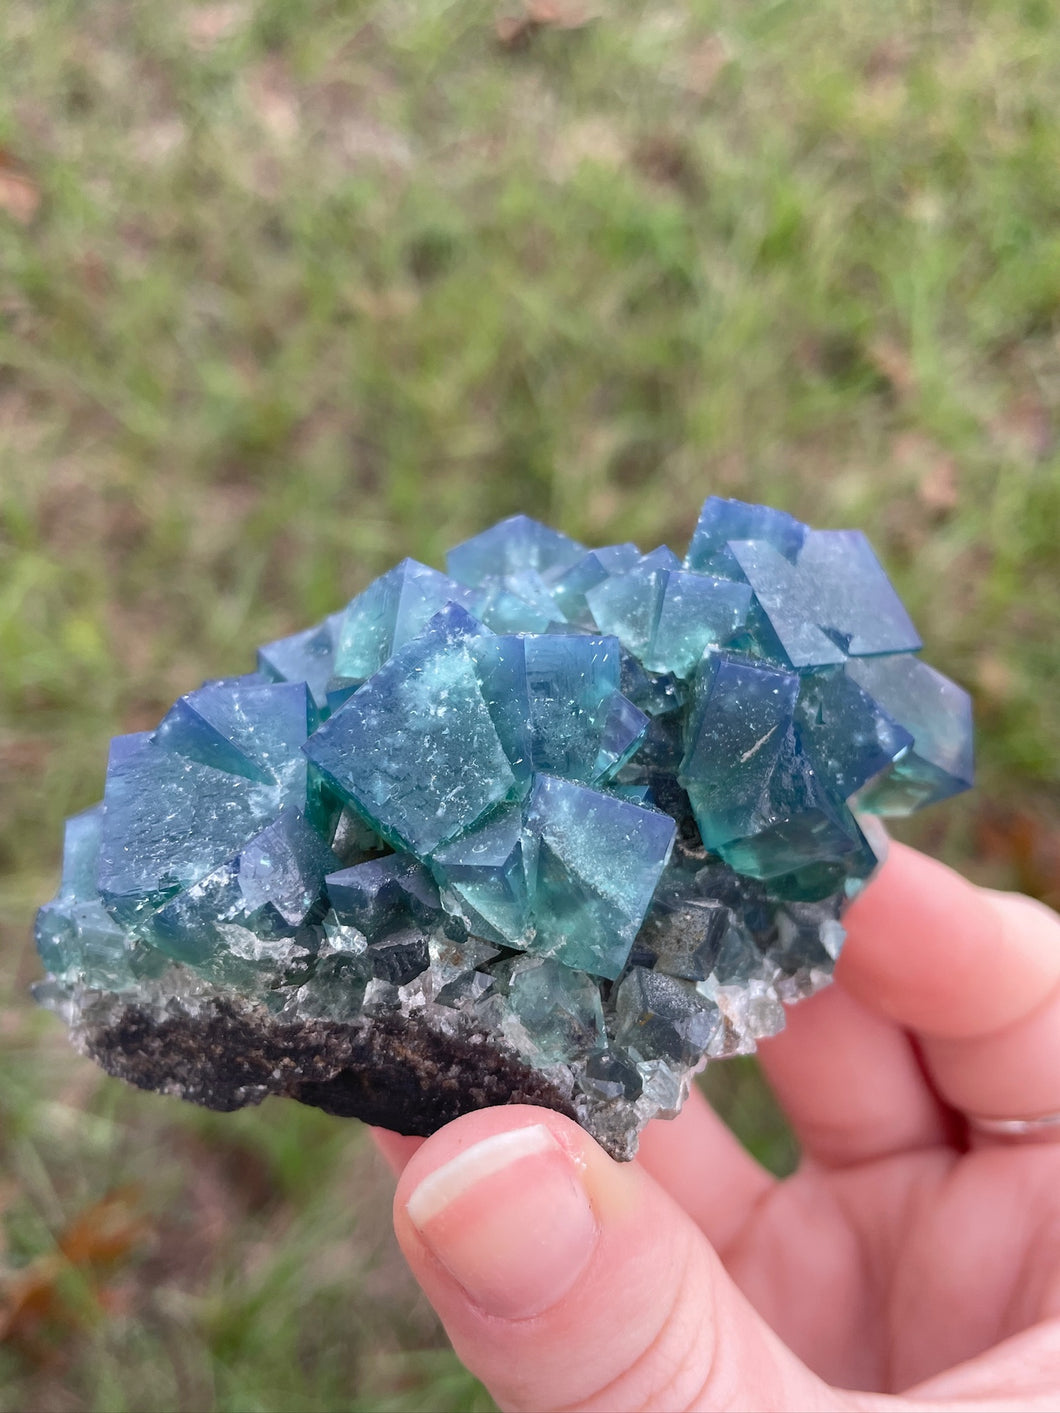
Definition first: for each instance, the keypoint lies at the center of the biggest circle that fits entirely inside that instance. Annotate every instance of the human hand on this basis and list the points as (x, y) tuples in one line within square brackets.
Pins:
[(911, 1256)]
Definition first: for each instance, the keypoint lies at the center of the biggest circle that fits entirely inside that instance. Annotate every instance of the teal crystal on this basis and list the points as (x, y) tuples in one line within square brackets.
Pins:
[(659, 1017), (569, 592), (554, 1011), (598, 860), (666, 617), (847, 734), (253, 903), (415, 749), (936, 715), (520, 552), (76, 936), (581, 727), (628, 604), (508, 612), (696, 612), (252, 729), (382, 895), (833, 602), (390, 612), (307, 657), (558, 826), (723, 520), (173, 812), (738, 745), (485, 880)]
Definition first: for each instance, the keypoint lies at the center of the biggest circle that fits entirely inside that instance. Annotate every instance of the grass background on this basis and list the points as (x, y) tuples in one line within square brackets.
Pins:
[(293, 288)]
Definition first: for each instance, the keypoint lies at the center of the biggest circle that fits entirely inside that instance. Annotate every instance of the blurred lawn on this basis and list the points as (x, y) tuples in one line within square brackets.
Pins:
[(289, 290)]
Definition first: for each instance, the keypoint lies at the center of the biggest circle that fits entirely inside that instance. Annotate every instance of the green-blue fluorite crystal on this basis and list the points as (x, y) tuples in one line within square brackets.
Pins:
[(390, 612), (415, 749), (560, 824)]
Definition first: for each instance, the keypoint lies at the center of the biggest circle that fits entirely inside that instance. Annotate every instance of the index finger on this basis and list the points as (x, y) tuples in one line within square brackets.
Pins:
[(974, 973), (944, 958)]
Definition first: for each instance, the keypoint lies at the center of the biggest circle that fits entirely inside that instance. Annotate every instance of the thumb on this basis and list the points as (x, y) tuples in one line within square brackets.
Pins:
[(568, 1281)]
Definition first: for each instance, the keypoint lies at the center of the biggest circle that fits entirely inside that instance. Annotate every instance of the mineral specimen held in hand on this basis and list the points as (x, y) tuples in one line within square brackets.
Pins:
[(558, 826)]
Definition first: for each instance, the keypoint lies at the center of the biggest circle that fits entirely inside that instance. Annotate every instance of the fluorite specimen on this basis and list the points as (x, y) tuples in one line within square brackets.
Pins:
[(558, 826)]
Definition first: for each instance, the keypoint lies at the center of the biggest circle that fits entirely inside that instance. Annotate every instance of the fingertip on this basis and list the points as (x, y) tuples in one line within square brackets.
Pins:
[(608, 1183), (395, 1148), (567, 1280), (505, 1215), (546, 1259)]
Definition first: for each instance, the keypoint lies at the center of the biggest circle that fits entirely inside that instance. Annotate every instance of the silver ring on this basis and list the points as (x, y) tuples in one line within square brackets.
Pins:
[(1039, 1130)]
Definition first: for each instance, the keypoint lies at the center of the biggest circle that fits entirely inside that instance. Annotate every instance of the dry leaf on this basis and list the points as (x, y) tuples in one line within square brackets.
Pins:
[(913, 449), (273, 98), (993, 677), (1024, 428), (704, 65), (556, 16), (24, 756), (937, 489), (155, 141), (594, 139), (39, 1296), (887, 63), (516, 31), (107, 1231), (932, 471), (19, 193), (668, 160), (1028, 843), (93, 271), (209, 24), (892, 362)]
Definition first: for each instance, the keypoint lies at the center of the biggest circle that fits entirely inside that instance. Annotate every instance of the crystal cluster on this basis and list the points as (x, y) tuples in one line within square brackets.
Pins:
[(557, 826)]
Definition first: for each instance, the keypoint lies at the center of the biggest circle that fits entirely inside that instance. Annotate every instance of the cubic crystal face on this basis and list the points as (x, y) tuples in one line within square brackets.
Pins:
[(557, 826)]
